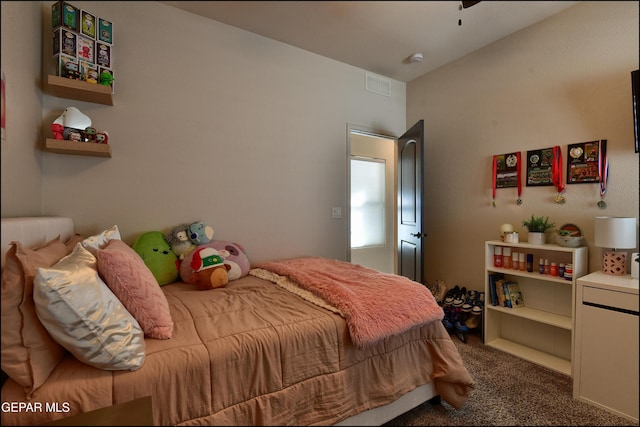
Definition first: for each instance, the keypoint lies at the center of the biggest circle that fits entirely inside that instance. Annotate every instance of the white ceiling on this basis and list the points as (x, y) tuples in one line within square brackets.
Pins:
[(380, 36)]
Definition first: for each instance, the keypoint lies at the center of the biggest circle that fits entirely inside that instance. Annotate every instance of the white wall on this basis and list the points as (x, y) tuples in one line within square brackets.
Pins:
[(21, 158), (249, 134), (565, 80), (216, 124)]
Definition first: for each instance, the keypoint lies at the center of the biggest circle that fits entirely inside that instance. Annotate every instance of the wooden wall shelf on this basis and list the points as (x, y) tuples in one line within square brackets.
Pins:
[(61, 146), (79, 90)]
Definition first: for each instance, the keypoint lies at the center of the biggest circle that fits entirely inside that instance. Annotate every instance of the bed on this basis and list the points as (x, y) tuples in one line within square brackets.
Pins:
[(250, 353)]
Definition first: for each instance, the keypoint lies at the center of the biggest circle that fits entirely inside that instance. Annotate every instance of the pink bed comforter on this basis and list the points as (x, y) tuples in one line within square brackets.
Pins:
[(252, 353)]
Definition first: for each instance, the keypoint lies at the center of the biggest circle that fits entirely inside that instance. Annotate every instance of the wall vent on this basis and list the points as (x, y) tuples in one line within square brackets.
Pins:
[(377, 85)]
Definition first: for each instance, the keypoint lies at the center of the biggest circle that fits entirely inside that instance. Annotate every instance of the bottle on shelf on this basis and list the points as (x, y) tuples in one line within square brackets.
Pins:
[(506, 257)]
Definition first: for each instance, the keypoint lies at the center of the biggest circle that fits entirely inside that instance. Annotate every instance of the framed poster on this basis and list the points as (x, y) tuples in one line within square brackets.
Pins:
[(583, 163), (506, 170), (540, 167)]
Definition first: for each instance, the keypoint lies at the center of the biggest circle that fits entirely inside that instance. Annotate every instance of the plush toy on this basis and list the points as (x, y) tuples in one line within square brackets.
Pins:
[(58, 130), (234, 259), (178, 239), (158, 256), (200, 233), (207, 269), (74, 122), (90, 134), (106, 78), (102, 137)]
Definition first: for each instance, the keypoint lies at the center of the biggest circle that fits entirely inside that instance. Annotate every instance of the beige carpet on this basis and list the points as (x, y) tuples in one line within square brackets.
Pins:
[(510, 391)]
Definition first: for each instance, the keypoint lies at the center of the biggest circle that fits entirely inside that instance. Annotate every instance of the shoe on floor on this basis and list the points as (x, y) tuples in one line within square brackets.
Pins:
[(469, 301), (478, 305), (473, 322), (458, 299), (448, 300)]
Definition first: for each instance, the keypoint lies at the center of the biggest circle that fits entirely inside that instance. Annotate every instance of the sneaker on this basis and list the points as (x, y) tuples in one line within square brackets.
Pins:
[(448, 300), (469, 301), (478, 305), (472, 322), (446, 320), (459, 298)]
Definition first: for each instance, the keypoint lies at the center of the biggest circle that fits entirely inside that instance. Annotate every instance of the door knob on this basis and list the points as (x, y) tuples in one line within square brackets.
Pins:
[(419, 235)]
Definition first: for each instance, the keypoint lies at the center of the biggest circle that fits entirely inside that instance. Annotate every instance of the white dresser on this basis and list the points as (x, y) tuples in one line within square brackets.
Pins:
[(605, 370)]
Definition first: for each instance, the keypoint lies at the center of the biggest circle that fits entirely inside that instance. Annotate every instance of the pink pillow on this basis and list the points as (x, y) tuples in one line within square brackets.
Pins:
[(128, 277), (29, 353)]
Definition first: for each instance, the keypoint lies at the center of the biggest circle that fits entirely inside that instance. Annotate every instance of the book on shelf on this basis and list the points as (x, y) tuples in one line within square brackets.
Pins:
[(492, 286), (507, 295), (500, 292), (515, 294)]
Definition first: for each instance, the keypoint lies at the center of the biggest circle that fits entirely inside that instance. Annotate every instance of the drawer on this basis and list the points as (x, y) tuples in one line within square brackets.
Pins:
[(623, 300)]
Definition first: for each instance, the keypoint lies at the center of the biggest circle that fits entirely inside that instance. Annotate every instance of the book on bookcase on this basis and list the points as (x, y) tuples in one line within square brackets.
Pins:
[(500, 292), (515, 294), (507, 295), (492, 286)]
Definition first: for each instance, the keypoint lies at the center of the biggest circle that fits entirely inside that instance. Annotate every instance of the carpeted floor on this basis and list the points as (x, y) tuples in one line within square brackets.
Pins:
[(510, 391)]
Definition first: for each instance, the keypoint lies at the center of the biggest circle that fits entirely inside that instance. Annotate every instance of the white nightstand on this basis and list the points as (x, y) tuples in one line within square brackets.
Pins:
[(605, 370)]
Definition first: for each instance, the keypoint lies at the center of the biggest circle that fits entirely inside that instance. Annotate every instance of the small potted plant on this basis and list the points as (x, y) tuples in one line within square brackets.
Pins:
[(537, 227)]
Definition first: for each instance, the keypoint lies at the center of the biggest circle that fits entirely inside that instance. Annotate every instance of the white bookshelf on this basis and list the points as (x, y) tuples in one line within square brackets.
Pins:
[(542, 330)]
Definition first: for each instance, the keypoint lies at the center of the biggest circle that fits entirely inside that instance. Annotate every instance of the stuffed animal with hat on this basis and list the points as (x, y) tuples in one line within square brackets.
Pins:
[(207, 269), (234, 258)]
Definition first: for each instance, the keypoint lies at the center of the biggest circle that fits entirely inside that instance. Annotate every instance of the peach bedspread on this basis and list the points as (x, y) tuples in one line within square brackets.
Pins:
[(252, 353)]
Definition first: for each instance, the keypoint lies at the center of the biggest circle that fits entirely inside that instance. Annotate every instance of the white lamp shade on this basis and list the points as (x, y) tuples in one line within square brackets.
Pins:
[(615, 232)]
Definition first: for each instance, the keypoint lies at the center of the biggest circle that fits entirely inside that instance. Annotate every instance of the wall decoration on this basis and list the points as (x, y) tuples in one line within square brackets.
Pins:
[(583, 163), (540, 167), (507, 173)]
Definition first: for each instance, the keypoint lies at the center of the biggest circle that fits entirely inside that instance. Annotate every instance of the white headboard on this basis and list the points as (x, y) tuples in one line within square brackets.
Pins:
[(33, 230)]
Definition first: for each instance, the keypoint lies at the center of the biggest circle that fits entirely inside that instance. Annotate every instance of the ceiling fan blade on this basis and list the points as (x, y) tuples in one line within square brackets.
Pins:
[(466, 4)]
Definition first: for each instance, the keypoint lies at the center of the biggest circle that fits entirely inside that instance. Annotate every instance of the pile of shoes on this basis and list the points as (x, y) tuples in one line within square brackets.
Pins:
[(462, 310)]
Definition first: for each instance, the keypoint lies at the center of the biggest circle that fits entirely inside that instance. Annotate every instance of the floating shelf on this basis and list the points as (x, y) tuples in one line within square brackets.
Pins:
[(62, 146), (79, 90)]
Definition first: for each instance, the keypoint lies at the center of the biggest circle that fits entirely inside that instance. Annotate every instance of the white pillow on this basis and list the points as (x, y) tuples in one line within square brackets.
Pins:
[(94, 243), (82, 314)]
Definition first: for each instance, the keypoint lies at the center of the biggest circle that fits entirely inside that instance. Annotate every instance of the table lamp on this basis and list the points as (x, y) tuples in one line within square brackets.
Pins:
[(615, 233)]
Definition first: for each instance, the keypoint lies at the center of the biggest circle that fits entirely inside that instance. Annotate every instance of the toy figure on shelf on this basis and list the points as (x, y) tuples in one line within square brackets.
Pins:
[(71, 71), (73, 123), (73, 134), (57, 130), (106, 78), (90, 134), (91, 76), (102, 137)]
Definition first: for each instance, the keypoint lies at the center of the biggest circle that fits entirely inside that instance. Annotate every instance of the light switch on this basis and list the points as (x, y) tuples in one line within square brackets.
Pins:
[(336, 212)]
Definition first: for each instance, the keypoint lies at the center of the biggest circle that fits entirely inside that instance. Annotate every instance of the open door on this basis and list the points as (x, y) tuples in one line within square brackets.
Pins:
[(410, 202)]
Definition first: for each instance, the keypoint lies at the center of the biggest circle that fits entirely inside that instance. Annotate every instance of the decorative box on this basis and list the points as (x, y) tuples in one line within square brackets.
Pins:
[(105, 31), (86, 49), (88, 25), (64, 41), (66, 15), (89, 72), (67, 66), (103, 54)]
